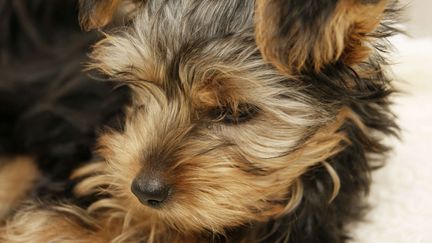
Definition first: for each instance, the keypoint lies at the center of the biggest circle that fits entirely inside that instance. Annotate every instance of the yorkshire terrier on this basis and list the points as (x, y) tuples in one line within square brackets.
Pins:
[(249, 121)]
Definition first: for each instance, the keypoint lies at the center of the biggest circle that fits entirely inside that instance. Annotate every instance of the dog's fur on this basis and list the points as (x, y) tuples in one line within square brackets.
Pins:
[(265, 118)]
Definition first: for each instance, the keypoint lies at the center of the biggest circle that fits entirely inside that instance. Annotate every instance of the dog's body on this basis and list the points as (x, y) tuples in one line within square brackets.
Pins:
[(250, 122)]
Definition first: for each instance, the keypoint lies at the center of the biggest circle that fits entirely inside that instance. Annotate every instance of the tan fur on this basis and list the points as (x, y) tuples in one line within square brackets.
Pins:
[(100, 13), (17, 176), (96, 14), (58, 224)]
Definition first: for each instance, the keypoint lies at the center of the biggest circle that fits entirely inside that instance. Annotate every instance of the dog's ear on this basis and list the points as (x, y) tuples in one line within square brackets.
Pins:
[(295, 35), (97, 13)]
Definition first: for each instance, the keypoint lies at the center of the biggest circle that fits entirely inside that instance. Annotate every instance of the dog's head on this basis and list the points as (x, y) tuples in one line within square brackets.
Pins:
[(233, 101)]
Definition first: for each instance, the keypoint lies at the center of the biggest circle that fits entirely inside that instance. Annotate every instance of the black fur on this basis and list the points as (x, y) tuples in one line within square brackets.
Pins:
[(316, 220)]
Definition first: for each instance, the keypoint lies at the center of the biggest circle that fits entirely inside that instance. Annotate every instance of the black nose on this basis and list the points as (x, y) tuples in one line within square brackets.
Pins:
[(150, 191)]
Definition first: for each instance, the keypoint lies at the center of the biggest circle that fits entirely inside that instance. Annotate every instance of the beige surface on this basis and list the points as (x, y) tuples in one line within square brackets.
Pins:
[(419, 16)]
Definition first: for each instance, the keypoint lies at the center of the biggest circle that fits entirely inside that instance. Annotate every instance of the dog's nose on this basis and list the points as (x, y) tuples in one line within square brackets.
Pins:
[(150, 191)]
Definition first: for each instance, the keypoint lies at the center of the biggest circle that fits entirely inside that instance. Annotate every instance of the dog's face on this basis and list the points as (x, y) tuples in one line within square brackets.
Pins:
[(220, 129)]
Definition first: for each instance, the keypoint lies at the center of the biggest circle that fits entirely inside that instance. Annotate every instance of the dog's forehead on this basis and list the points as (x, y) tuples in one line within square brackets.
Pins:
[(198, 19), (177, 29), (201, 44)]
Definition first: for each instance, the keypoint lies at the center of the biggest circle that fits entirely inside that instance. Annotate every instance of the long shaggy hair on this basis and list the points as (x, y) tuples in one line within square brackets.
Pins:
[(260, 121)]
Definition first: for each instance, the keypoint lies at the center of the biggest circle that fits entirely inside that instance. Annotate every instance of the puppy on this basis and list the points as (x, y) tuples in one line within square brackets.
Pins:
[(250, 121)]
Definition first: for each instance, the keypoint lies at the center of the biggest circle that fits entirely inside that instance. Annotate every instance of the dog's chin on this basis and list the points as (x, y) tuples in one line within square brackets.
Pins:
[(180, 217), (184, 218)]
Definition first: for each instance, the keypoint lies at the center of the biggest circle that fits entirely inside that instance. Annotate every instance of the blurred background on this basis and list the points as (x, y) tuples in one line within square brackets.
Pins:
[(420, 17), (401, 194)]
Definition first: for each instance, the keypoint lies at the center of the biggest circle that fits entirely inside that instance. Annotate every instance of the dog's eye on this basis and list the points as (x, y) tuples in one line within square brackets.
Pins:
[(243, 113)]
